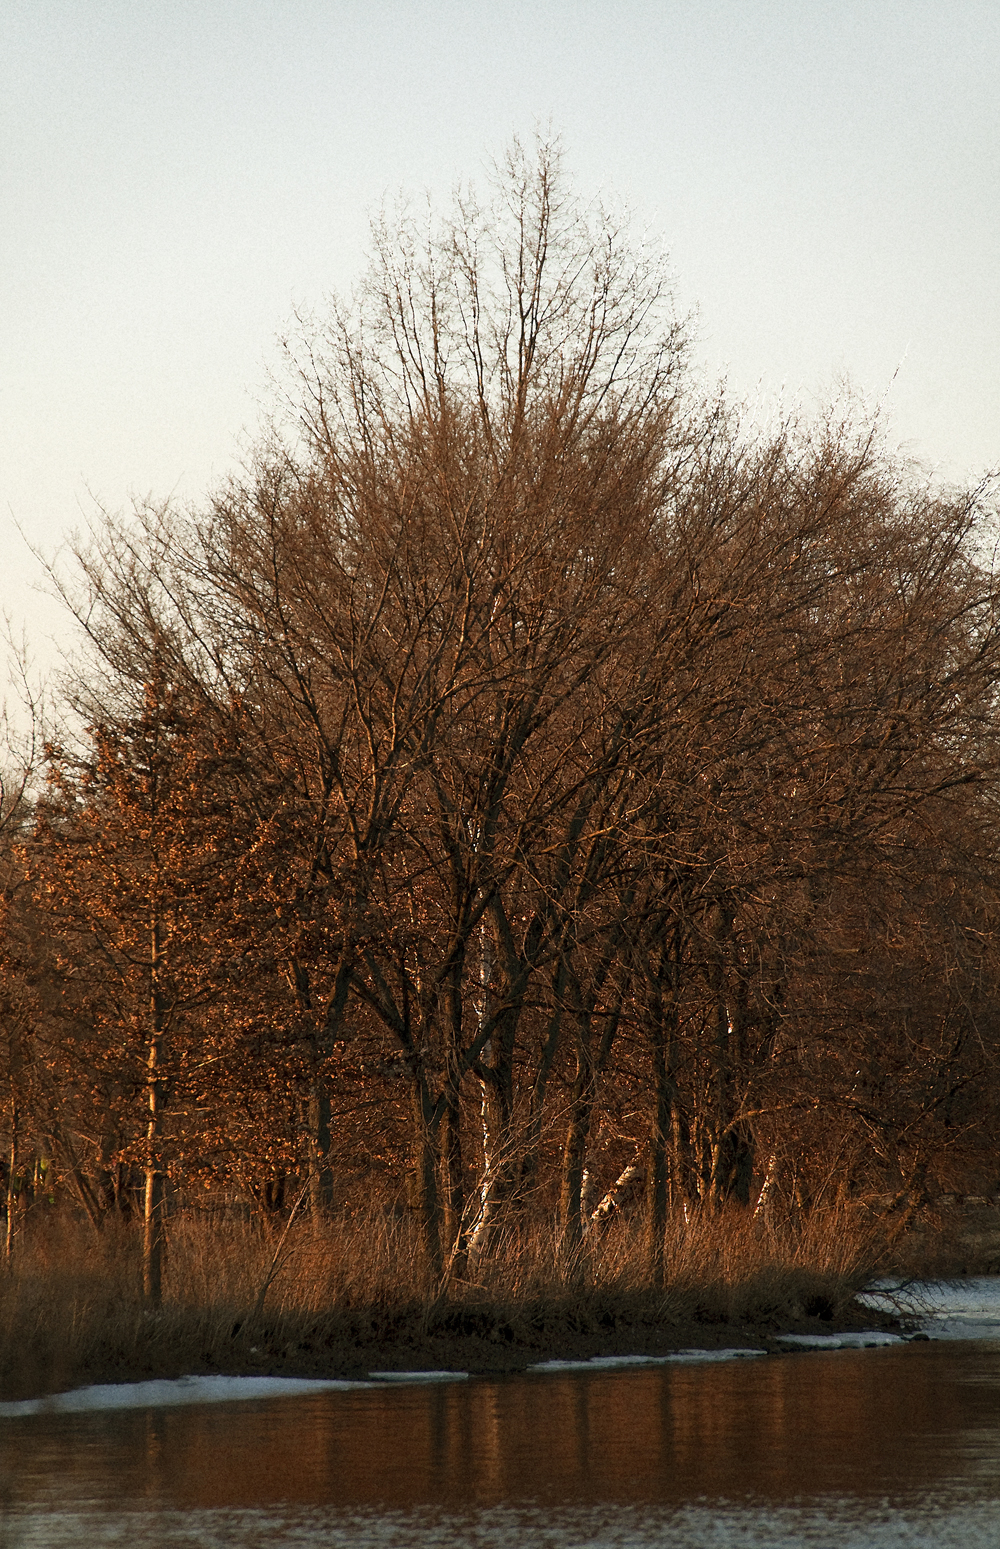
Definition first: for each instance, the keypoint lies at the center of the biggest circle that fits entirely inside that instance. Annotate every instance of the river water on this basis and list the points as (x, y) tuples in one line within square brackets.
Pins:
[(890, 1446)]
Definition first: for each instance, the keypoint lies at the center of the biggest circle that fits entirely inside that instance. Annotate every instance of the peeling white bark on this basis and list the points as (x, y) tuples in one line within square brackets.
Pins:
[(625, 1187), (490, 1161)]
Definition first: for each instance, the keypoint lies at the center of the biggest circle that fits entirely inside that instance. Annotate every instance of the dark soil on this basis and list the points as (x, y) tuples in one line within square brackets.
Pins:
[(68, 1322), (454, 1340)]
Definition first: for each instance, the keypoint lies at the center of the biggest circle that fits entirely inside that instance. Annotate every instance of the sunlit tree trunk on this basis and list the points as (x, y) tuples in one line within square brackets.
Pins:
[(154, 1224), (11, 1175), (657, 1169)]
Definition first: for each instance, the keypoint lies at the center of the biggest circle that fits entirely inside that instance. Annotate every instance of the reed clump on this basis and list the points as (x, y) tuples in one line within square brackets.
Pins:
[(345, 1294)]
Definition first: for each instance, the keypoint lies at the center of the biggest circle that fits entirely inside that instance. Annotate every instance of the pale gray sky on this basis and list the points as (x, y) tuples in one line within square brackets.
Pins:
[(175, 177)]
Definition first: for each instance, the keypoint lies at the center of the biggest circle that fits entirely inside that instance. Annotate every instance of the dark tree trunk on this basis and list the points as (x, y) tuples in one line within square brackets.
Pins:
[(575, 1155), (425, 1176), (318, 1136), (455, 1228), (656, 1171)]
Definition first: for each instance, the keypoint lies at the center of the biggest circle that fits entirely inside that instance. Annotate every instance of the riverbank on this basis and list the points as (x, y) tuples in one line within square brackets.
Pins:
[(495, 1342), (346, 1297), (511, 1345), (555, 1457)]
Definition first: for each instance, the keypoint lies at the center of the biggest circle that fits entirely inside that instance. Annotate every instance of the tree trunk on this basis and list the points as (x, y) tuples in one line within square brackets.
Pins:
[(428, 1197), (11, 1172), (732, 1165), (153, 1237), (588, 1069), (656, 1173), (454, 1184), (730, 1172), (318, 1141), (499, 1178), (88, 1196), (575, 1157), (155, 1199), (533, 1138), (624, 1188)]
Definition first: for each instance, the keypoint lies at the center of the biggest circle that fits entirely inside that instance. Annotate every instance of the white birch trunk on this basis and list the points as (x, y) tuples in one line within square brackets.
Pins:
[(625, 1187), (490, 1160)]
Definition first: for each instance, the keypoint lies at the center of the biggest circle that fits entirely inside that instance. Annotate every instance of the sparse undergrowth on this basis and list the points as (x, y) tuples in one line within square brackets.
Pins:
[(348, 1295)]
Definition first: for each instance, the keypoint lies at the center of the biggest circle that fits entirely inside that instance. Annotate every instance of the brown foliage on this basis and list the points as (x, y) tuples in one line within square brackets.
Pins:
[(526, 770)]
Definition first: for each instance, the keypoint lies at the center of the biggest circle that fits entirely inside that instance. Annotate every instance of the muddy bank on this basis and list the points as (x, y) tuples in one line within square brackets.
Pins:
[(481, 1343), (341, 1299)]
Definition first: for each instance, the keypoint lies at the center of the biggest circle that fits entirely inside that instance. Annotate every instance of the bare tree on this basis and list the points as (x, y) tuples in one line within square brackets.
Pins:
[(574, 730)]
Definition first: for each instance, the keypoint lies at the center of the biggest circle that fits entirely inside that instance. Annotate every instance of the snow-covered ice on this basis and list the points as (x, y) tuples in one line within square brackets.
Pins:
[(736, 1354), (599, 1363), (944, 1309), (419, 1376), (178, 1390), (865, 1339), (617, 1362), (205, 1390)]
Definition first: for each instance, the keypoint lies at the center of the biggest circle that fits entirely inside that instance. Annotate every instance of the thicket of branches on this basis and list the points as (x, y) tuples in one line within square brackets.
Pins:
[(524, 771)]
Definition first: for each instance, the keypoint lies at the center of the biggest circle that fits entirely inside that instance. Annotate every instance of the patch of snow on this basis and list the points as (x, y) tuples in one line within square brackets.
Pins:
[(164, 1393), (944, 1309), (735, 1354), (616, 1362), (418, 1376), (864, 1340), (599, 1363)]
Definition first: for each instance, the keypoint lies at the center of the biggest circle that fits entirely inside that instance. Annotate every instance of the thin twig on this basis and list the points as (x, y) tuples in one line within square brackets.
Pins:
[(277, 1263)]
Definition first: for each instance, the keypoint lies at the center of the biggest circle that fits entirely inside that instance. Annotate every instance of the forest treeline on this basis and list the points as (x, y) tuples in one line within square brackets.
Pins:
[(525, 771)]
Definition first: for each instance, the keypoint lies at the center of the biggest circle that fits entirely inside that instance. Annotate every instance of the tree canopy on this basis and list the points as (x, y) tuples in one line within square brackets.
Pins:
[(525, 770)]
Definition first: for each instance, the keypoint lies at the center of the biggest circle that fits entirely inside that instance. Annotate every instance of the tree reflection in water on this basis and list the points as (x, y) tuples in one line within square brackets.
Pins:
[(848, 1440)]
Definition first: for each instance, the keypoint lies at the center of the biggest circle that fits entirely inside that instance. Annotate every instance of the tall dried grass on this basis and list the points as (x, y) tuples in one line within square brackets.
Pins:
[(342, 1294)]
